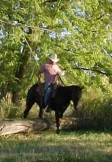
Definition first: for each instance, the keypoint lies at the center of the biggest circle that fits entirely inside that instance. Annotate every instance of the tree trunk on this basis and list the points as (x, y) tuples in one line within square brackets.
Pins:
[(19, 74), (28, 125)]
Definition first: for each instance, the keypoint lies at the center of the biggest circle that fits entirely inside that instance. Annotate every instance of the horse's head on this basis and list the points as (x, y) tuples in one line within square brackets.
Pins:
[(76, 92)]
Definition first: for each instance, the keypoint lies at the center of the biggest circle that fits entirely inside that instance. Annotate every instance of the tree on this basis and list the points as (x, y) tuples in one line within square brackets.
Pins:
[(78, 31)]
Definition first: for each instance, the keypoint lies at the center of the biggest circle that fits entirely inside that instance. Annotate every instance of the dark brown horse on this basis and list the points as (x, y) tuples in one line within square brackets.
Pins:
[(59, 102)]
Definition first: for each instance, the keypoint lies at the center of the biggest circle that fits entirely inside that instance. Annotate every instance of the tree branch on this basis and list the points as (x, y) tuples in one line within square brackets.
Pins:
[(47, 1), (94, 70)]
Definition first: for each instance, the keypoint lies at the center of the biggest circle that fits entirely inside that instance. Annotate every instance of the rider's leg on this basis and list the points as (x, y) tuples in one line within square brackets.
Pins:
[(47, 94)]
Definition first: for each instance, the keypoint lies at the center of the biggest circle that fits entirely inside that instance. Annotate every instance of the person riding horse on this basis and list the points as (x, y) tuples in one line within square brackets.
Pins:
[(60, 100), (50, 70)]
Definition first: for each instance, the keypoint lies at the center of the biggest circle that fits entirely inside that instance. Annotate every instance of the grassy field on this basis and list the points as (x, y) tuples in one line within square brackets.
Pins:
[(68, 146), (46, 146)]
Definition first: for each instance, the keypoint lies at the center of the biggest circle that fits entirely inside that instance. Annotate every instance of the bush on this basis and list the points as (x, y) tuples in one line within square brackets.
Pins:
[(8, 111), (97, 105)]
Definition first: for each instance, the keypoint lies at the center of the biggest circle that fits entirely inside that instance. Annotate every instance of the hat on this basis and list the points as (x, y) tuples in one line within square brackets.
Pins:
[(54, 58)]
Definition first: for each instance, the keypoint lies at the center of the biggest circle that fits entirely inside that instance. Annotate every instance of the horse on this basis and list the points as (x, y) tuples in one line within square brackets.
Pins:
[(58, 102)]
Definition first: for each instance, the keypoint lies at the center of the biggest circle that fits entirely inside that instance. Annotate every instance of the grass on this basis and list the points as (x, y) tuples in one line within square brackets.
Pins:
[(46, 146)]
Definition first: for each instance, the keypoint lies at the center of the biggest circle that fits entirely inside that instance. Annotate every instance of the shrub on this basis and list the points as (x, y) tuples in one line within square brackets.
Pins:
[(97, 105)]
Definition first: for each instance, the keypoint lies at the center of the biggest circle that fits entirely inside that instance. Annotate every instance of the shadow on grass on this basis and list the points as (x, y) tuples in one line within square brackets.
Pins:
[(69, 146), (86, 130)]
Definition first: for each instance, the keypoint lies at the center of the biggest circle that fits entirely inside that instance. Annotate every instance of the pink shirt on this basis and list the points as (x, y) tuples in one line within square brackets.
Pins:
[(50, 72)]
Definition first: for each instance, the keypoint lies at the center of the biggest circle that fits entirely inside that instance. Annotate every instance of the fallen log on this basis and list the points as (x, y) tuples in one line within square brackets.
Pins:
[(28, 125)]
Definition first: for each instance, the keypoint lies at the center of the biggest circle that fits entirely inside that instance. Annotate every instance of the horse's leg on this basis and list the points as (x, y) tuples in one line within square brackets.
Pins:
[(57, 121), (41, 105), (29, 104), (40, 112)]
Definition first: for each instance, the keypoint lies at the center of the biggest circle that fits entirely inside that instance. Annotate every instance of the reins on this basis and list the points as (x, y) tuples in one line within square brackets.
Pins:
[(61, 81), (53, 81)]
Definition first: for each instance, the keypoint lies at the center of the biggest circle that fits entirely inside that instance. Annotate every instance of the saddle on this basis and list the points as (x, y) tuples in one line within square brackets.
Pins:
[(41, 91)]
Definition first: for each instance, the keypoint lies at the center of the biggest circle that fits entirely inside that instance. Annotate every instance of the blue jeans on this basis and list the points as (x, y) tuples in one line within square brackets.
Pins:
[(47, 89)]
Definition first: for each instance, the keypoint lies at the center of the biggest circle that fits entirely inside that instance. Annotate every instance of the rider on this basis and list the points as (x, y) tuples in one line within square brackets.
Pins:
[(51, 70)]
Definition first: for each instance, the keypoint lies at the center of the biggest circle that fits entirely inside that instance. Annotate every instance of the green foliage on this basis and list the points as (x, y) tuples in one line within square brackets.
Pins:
[(9, 111), (97, 106), (78, 31)]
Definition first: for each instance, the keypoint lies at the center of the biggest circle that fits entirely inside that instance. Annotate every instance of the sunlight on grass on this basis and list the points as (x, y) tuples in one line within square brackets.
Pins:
[(48, 146)]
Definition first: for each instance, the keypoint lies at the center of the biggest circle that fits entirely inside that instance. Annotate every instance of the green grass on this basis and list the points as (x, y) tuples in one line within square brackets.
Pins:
[(46, 146)]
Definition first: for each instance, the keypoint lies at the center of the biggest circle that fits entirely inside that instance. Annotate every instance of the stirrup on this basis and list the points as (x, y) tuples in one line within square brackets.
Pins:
[(48, 110)]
